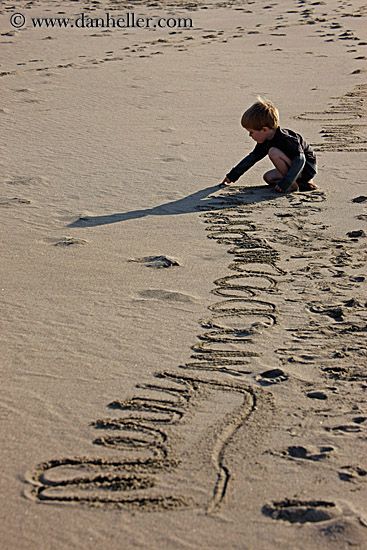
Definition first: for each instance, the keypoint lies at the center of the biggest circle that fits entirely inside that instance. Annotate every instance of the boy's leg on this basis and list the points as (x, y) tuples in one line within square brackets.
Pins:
[(282, 164), (305, 181), (272, 177)]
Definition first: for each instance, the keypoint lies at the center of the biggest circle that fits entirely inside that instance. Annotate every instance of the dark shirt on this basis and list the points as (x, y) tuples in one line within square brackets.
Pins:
[(292, 144)]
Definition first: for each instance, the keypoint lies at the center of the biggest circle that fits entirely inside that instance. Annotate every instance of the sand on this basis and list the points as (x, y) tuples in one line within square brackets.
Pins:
[(183, 365)]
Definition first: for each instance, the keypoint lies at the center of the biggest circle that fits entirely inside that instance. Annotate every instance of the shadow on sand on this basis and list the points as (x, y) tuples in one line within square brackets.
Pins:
[(200, 200)]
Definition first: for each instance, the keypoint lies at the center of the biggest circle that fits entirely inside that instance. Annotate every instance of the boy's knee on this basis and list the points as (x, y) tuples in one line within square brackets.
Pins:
[(274, 153)]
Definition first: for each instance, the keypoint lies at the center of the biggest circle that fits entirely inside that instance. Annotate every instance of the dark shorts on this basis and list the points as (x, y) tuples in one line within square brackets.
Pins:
[(309, 171)]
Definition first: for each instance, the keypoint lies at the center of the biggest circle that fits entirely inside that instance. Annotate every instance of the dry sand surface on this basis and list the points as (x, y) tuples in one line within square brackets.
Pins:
[(183, 365)]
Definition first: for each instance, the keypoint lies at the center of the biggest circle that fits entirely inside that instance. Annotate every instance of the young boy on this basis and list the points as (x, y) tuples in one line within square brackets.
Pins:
[(293, 158)]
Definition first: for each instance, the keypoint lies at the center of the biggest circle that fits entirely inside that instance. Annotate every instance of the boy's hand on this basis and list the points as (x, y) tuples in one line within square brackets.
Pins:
[(226, 181)]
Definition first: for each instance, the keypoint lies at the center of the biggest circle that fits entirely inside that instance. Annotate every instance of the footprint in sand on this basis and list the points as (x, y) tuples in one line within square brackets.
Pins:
[(344, 429), (302, 511), (273, 376), (337, 524), (15, 201), (337, 313), (357, 278), (156, 262), (360, 419), (320, 395), (65, 241), (300, 452), (356, 234), (353, 474)]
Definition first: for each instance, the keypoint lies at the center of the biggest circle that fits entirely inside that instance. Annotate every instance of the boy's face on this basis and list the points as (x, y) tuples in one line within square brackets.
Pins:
[(259, 135)]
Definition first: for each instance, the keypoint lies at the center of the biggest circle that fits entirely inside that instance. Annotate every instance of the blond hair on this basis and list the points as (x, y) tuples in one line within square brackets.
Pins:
[(260, 114)]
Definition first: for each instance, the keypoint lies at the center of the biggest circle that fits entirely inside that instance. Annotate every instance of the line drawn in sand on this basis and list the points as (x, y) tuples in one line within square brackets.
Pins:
[(159, 459), (152, 452), (154, 477), (344, 129)]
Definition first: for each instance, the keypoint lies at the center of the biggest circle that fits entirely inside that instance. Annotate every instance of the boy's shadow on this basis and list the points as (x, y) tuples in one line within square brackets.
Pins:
[(200, 200)]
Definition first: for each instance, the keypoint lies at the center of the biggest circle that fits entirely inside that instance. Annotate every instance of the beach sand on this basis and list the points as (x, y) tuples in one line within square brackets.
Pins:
[(183, 365)]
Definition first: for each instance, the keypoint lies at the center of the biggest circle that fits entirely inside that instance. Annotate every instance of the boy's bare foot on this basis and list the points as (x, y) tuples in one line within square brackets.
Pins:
[(307, 186), (291, 189)]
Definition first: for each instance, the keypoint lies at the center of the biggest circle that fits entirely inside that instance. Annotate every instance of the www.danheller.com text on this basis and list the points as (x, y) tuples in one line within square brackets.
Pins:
[(128, 21)]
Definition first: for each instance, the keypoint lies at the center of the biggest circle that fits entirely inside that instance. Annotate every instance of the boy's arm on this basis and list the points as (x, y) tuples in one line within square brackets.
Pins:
[(297, 164), (242, 167)]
